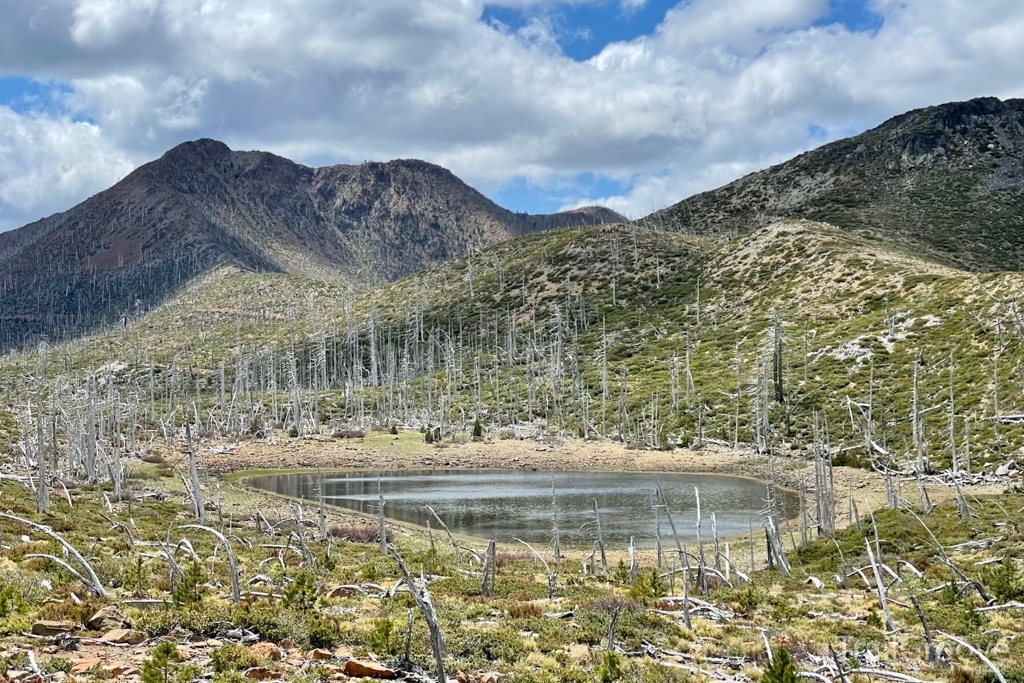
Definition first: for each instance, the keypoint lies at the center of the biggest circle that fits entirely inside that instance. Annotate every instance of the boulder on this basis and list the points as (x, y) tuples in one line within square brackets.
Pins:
[(259, 673), (320, 654), (123, 636), (108, 619), (52, 628), (365, 669)]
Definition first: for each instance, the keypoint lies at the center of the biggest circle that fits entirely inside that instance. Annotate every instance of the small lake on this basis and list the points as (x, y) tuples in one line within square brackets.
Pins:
[(514, 504)]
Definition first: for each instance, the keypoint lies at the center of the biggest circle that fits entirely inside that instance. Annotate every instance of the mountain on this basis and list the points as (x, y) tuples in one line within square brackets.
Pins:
[(945, 182), (202, 205)]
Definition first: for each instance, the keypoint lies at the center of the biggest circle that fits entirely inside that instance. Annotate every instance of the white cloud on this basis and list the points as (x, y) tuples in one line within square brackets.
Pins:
[(51, 162), (721, 88)]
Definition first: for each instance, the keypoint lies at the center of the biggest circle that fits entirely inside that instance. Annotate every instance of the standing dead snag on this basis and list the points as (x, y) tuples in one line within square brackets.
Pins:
[(426, 607), (933, 655), (197, 494), (600, 539), (487, 585), (381, 528)]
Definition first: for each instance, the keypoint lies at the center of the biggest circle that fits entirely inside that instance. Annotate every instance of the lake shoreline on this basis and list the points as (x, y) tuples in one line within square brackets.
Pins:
[(380, 451), (507, 505)]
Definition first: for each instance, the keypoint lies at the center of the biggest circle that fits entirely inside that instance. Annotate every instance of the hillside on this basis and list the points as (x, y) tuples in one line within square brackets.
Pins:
[(202, 205), (601, 332), (945, 182)]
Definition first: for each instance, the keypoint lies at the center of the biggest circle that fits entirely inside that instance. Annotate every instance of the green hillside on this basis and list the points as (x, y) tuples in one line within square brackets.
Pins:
[(587, 332)]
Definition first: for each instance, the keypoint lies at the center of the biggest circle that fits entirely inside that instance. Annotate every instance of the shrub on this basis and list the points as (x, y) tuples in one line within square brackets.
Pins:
[(385, 638), (1004, 581), (233, 657), (648, 587), (158, 667), (301, 593), (524, 610), (189, 590), (609, 669), (781, 669)]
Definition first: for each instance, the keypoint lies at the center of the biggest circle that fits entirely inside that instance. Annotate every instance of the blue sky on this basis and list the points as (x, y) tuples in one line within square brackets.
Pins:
[(583, 30), (540, 104)]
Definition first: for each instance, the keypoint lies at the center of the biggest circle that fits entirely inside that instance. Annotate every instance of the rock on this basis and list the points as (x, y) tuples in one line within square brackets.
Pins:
[(1004, 470), (83, 665), (364, 669), (462, 676), (287, 644), (259, 673), (118, 670), (490, 677), (320, 654), (108, 619), (184, 652), (266, 650), (339, 592), (123, 636), (18, 676), (52, 628), (213, 642)]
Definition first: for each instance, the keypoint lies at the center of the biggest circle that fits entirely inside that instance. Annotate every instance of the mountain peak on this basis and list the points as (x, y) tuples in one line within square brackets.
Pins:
[(202, 205), (203, 148)]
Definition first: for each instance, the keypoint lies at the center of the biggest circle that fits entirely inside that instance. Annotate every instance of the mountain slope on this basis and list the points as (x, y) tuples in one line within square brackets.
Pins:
[(946, 182), (595, 331), (202, 205)]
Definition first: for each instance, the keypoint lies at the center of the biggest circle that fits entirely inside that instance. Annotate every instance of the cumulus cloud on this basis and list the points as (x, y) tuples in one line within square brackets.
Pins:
[(720, 88), (51, 162)]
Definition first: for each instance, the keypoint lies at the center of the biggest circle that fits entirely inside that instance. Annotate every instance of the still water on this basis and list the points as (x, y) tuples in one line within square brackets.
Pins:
[(512, 504)]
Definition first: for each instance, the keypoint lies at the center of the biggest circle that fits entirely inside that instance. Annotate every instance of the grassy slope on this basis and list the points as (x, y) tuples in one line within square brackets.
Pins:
[(842, 298)]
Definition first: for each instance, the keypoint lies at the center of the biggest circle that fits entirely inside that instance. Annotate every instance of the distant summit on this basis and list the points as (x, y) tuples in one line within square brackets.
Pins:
[(945, 182), (202, 205)]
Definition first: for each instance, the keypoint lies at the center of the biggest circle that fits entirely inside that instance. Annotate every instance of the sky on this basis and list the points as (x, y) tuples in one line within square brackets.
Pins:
[(540, 104)]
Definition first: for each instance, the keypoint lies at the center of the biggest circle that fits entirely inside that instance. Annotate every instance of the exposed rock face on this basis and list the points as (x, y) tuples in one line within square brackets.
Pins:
[(201, 205), (945, 182)]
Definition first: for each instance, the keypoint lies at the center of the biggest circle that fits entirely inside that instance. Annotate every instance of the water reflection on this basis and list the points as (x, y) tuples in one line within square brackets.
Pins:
[(507, 504)]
